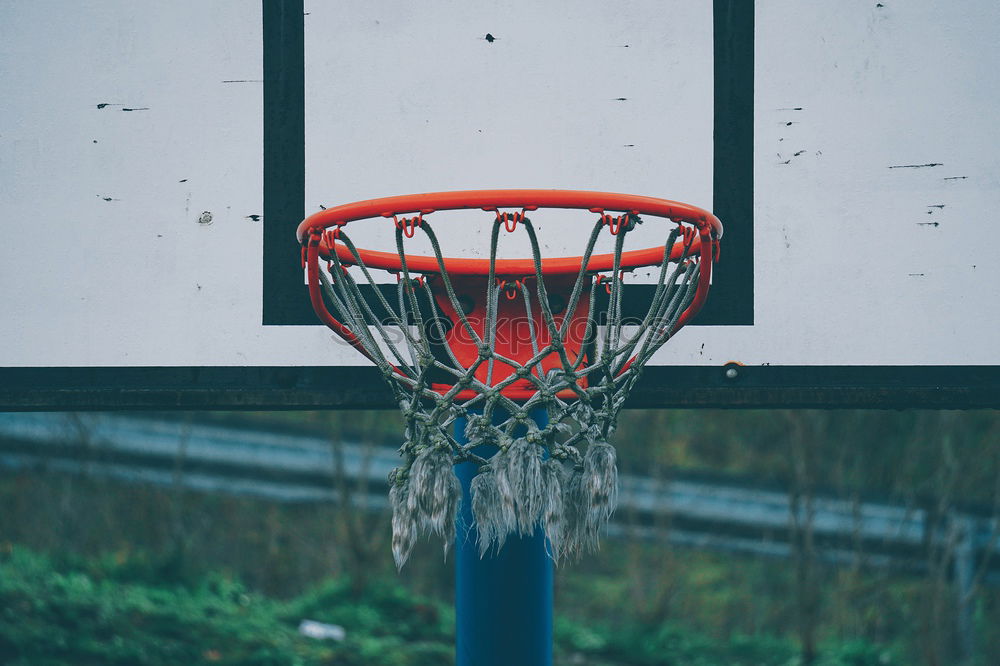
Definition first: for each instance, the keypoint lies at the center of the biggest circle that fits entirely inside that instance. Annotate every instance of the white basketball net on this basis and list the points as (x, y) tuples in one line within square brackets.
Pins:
[(558, 473)]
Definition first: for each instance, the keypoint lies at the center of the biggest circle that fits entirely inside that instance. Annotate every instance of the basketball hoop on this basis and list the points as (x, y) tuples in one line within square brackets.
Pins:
[(492, 341)]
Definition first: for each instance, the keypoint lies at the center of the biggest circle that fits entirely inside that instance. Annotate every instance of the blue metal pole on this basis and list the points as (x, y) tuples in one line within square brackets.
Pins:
[(503, 601)]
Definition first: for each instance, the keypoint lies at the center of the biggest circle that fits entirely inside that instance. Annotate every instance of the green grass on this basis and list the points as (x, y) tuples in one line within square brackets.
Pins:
[(112, 610)]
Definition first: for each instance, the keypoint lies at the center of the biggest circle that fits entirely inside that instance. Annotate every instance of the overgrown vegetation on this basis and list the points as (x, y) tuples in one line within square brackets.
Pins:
[(112, 610), (633, 603)]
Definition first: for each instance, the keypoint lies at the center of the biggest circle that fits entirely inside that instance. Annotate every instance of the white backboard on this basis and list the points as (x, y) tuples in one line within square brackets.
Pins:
[(157, 157)]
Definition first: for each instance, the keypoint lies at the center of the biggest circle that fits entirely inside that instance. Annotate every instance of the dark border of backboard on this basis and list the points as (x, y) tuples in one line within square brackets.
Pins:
[(285, 300), (308, 387)]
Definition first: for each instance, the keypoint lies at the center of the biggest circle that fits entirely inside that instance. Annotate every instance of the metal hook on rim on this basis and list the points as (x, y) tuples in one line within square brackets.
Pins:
[(331, 235), (330, 267), (510, 290), (509, 220), (408, 224), (608, 281), (414, 282), (616, 223), (603, 279), (314, 239), (688, 234)]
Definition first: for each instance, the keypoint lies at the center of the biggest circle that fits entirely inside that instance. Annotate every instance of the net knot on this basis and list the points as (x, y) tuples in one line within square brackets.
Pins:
[(396, 476), (479, 430)]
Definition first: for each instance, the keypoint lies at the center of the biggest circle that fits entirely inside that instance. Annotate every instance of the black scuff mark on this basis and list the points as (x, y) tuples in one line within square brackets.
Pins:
[(915, 274), (879, 5), (701, 350), (916, 166), (798, 153), (938, 206), (789, 123), (322, 207), (104, 105), (490, 38), (183, 180), (630, 145), (106, 198), (786, 161), (790, 108), (135, 108), (928, 224), (253, 218), (955, 178), (621, 99)]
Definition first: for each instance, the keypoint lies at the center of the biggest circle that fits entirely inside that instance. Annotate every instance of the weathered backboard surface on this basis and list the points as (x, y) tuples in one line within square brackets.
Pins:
[(157, 157)]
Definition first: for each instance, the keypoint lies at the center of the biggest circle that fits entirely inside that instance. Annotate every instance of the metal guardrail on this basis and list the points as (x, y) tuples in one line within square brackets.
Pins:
[(298, 468)]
